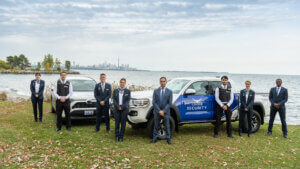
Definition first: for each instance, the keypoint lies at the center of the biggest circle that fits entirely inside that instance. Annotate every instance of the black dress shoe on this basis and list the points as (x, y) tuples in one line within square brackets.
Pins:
[(69, 129), (215, 135), (120, 139), (108, 131), (58, 129), (169, 141), (35, 120), (285, 136), (96, 130), (249, 135), (269, 133), (240, 134), (117, 139), (153, 141), (40, 120), (230, 136)]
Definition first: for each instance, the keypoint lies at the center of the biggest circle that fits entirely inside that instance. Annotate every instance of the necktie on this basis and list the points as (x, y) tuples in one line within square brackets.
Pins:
[(162, 93), (102, 86)]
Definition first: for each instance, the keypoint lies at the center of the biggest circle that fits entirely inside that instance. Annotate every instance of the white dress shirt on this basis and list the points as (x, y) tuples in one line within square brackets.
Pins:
[(70, 90), (218, 99), (102, 86), (278, 90), (247, 95), (37, 86), (121, 93)]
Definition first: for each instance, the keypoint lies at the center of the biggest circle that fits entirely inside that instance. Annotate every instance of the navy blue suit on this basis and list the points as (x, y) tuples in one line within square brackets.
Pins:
[(102, 110), (163, 103), (37, 101), (280, 99), (121, 115), (249, 105)]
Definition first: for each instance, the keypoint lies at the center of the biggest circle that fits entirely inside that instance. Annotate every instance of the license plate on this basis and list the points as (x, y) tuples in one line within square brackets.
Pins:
[(88, 112)]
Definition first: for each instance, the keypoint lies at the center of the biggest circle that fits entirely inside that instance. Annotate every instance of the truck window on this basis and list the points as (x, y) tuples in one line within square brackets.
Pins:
[(213, 85), (200, 87)]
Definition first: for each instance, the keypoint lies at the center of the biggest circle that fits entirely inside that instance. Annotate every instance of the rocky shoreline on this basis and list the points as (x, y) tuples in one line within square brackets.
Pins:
[(35, 71)]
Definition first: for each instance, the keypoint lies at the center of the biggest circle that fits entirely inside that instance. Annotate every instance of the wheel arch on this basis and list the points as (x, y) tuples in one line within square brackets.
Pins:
[(260, 109)]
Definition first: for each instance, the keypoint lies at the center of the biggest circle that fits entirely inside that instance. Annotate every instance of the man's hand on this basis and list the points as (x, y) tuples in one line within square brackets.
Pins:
[(119, 108), (102, 103), (276, 106), (162, 113), (36, 95), (224, 107), (246, 109), (62, 99)]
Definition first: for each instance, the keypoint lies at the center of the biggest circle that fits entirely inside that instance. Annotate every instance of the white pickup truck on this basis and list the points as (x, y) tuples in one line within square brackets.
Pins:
[(193, 102)]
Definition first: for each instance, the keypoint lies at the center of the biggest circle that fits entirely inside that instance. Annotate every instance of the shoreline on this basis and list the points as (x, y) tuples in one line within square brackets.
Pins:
[(19, 72)]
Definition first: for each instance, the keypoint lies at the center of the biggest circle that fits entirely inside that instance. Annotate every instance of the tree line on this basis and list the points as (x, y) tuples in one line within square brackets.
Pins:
[(21, 62)]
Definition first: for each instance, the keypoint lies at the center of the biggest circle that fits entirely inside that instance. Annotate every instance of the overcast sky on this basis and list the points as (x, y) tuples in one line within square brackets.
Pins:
[(237, 36)]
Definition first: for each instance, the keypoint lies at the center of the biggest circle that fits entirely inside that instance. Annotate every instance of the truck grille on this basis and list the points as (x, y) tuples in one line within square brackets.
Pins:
[(84, 105)]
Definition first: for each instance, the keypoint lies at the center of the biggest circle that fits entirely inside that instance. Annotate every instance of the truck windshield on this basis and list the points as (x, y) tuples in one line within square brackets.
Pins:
[(176, 85), (83, 85)]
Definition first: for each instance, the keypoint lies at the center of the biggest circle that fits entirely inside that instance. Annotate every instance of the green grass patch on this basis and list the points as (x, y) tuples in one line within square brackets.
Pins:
[(26, 144)]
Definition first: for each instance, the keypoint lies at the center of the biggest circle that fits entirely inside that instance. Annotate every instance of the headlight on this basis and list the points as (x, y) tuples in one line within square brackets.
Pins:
[(140, 102)]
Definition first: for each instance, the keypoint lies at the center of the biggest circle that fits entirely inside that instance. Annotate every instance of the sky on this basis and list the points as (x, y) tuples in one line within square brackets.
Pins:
[(236, 36)]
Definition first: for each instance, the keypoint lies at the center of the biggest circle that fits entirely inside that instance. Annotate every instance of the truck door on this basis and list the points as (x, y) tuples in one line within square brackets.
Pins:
[(198, 107)]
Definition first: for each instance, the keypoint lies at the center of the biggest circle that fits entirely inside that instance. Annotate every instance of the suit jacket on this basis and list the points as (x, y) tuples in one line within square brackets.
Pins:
[(281, 99), (41, 89), (125, 101), (249, 102), (164, 104), (102, 96)]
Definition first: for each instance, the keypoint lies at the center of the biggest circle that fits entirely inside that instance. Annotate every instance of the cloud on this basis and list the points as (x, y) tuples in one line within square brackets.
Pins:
[(159, 18)]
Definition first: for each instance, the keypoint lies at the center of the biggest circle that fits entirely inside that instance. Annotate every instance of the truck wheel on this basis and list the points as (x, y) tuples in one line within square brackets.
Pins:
[(256, 121), (161, 130)]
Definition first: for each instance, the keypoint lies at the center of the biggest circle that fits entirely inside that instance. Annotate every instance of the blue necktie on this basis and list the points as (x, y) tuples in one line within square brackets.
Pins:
[(277, 91), (161, 97)]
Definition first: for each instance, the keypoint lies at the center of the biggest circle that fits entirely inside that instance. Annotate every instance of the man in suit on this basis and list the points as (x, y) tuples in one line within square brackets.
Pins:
[(37, 87), (224, 98), (247, 100), (121, 98), (162, 101), (63, 90), (102, 93), (278, 97)]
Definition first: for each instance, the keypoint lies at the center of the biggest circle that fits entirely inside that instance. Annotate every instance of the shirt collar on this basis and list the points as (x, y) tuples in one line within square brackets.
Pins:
[(63, 81), (224, 86)]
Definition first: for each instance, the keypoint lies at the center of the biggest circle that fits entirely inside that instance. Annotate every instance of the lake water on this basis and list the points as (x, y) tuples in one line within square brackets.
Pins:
[(19, 84)]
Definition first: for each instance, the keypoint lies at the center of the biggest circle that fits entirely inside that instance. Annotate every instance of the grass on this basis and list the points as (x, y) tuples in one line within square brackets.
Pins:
[(26, 144)]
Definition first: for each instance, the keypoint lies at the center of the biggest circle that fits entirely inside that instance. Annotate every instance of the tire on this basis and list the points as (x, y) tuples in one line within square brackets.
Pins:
[(256, 122), (161, 134)]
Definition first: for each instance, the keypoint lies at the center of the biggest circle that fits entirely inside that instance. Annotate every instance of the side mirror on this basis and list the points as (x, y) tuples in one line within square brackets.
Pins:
[(190, 92)]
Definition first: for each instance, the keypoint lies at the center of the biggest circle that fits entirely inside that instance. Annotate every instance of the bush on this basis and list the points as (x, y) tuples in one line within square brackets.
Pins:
[(3, 96)]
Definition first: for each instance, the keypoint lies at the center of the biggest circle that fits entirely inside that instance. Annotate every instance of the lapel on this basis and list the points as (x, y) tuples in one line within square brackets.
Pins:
[(117, 95), (123, 96), (280, 91)]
